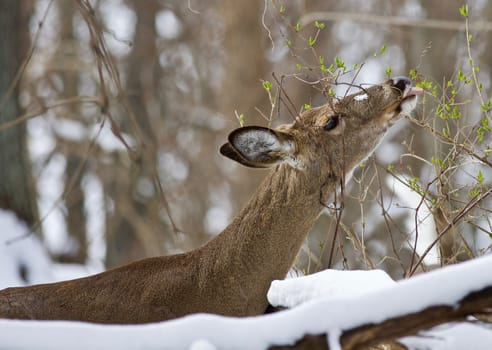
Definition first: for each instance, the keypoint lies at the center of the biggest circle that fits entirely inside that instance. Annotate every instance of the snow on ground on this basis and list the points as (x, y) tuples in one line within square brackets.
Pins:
[(26, 254), (24, 259), (331, 313)]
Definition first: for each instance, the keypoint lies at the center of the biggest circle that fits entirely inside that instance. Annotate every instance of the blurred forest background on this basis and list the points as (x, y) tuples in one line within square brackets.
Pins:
[(112, 113)]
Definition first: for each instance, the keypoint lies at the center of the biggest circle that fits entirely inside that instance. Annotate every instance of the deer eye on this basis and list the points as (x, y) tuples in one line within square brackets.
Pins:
[(332, 123)]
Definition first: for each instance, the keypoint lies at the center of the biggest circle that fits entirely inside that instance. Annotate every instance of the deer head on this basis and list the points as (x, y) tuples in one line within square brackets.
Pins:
[(330, 139)]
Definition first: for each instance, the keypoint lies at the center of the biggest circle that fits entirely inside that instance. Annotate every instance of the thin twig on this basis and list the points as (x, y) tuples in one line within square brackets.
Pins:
[(103, 56), (43, 109), (265, 26), (455, 221), (387, 223), (450, 141), (192, 10), (291, 106), (68, 189)]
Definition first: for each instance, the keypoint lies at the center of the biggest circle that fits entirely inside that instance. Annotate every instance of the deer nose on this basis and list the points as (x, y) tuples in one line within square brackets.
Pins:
[(401, 83)]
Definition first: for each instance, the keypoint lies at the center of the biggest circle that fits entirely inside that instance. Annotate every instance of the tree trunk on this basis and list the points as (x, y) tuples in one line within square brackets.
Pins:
[(74, 200), (17, 190), (136, 229)]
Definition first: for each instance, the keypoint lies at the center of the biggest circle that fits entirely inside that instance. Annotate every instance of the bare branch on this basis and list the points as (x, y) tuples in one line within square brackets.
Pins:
[(394, 21)]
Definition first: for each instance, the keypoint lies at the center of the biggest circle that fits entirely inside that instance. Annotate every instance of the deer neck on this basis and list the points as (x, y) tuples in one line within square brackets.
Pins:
[(262, 242)]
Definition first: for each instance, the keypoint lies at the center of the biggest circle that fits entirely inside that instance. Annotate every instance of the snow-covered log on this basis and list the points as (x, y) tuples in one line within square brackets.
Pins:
[(388, 331)]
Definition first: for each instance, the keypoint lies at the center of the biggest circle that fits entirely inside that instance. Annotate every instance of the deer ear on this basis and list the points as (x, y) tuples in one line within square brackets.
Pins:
[(258, 147), (228, 151)]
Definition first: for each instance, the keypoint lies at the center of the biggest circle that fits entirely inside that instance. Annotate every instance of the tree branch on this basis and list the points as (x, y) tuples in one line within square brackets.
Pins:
[(394, 21)]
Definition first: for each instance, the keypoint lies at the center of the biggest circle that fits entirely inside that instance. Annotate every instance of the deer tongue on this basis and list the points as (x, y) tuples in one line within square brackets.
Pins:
[(414, 91)]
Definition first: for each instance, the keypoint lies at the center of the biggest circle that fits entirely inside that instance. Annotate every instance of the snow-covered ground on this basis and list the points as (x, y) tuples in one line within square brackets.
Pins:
[(27, 254), (344, 301), (22, 250)]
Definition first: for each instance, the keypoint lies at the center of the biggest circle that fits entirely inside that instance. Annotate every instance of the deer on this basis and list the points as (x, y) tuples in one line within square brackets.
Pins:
[(231, 274)]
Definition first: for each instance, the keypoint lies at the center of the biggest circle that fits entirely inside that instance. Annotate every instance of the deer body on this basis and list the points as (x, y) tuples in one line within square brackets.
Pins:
[(231, 274)]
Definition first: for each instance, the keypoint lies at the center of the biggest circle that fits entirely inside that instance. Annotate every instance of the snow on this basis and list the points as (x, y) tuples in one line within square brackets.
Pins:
[(202, 344), (63, 272), (121, 22), (69, 129), (328, 283), (216, 219), (167, 25), (316, 315), (361, 97), (50, 185), (20, 249), (96, 220), (27, 254), (107, 140), (452, 337)]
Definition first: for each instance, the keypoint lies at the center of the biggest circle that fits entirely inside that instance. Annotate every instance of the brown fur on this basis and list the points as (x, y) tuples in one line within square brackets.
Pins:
[(230, 275)]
